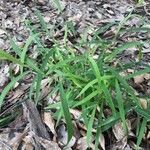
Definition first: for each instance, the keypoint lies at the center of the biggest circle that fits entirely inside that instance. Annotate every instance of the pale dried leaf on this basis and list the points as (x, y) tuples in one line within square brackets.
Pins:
[(4, 74), (4, 137), (27, 145), (14, 142), (2, 31), (147, 76), (76, 113), (102, 141), (47, 144), (143, 103), (138, 79), (49, 121), (119, 131), (82, 144)]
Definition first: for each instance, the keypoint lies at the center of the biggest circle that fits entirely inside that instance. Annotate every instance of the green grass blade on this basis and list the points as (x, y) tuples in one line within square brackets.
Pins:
[(143, 113), (27, 44), (86, 99), (38, 87), (103, 29), (95, 69), (146, 70), (15, 47), (55, 105), (98, 130), (42, 22), (9, 86), (120, 105), (121, 24), (90, 126), (121, 49), (108, 98), (31, 91), (141, 29), (65, 35), (90, 84), (5, 56), (58, 5), (66, 112), (29, 62), (141, 132), (126, 86), (24, 51), (32, 65)]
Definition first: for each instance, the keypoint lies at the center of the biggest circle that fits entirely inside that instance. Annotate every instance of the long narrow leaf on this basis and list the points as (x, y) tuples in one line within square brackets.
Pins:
[(5, 56), (90, 84), (141, 132), (90, 126), (120, 106), (66, 112), (86, 99), (9, 86)]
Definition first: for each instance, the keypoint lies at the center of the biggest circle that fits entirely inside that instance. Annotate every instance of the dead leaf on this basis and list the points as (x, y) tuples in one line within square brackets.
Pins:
[(119, 131), (138, 79), (82, 144), (47, 144), (49, 121), (102, 141), (4, 74), (2, 31), (76, 113), (147, 76), (143, 103), (27, 145), (4, 137), (15, 142)]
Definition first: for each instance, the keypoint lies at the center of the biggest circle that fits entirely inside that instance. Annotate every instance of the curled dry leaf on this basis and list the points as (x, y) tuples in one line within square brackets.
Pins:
[(119, 131), (4, 74), (82, 144), (63, 137), (2, 31), (120, 145), (15, 142), (71, 143), (47, 144), (146, 76), (102, 141), (143, 103), (76, 113), (27, 145), (138, 79), (49, 121), (4, 137)]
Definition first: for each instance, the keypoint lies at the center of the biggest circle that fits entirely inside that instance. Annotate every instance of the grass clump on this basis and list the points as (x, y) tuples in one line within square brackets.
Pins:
[(83, 82)]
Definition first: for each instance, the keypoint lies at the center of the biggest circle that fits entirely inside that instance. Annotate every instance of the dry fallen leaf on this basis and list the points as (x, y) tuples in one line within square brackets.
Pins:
[(143, 103), (146, 76), (102, 141), (138, 79), (49, 121), (4, 137), (120, 133), (27, 145), (2, 31), (82, 144), (4, 74), (76, 113), (15, 142), (47, 144)]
